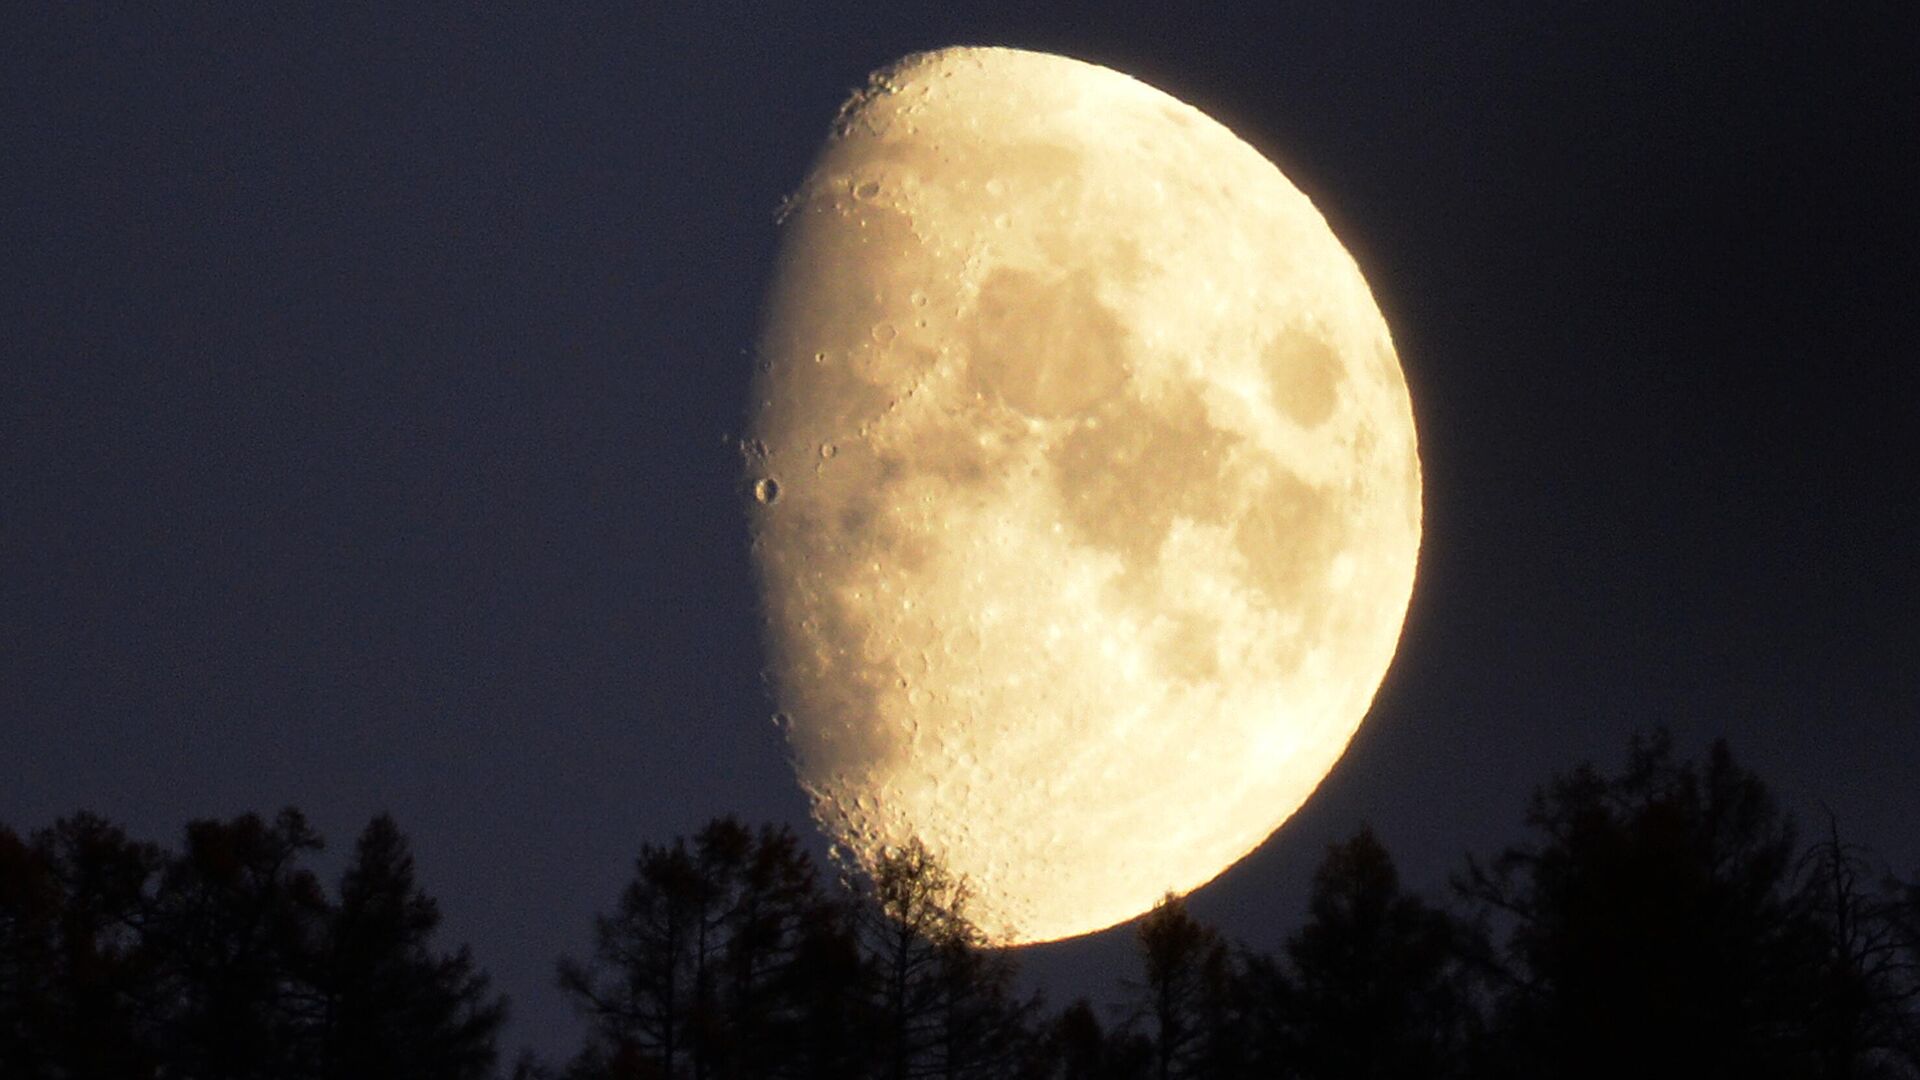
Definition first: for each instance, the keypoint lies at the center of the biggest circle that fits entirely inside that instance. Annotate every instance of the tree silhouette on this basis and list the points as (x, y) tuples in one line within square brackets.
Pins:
[(1863, 985), (1650, 919), (238, 924), (704, 968), (1902, 912), (1081, 1048), (1659, 918), (828, 981), (776, 927), (391, 1007), (725, 959), (943, 1003), (637, 993), (80, 991), (1186, 1000), (30, 985), (227, 959), (1373, 986)]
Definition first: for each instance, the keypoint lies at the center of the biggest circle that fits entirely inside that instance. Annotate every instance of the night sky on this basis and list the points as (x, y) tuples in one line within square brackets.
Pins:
[(369, 385)]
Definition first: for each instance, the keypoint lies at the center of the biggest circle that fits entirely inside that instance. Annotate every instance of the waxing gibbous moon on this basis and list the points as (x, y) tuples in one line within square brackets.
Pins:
[(1086, 500)]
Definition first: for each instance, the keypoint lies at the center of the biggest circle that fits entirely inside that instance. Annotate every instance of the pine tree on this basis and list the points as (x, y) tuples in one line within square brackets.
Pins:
[(393, 1007), (80, 991), (1650, 918), (1186, 998), (1372, 986), (238, 924), (943, 1002), (707, 967)]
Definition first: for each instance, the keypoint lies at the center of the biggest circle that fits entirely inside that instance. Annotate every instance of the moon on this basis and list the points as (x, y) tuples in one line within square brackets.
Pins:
[(1085, 497)]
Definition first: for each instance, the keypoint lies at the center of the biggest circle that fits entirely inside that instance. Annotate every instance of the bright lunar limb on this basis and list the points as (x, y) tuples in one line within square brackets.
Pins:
[(1086, 497)]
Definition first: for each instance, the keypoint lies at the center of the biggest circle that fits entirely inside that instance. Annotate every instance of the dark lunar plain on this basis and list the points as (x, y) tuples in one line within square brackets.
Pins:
[(369, 382)]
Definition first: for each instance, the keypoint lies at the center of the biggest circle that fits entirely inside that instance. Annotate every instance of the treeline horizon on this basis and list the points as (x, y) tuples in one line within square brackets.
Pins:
[(1664, 918)]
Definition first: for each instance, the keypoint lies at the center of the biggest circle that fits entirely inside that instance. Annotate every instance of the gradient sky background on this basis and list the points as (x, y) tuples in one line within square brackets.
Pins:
[(367, 383)]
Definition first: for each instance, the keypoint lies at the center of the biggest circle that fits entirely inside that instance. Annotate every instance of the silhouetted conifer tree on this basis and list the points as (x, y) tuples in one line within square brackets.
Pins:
[(707, 967), (1186, 1000), (765, 926), (828, 980), (239, 923), (390, 1006), (80, 988), (637, 991), (943, 1003), (226, 960), (1655, 920), (1649, 919), (1372, 986), (1081, 1048)]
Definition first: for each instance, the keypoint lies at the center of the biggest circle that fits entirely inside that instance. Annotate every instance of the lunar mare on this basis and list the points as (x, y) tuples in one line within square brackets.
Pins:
[(1087, 495)]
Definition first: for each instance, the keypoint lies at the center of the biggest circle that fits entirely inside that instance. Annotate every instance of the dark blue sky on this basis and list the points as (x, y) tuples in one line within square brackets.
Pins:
[(367, 383)]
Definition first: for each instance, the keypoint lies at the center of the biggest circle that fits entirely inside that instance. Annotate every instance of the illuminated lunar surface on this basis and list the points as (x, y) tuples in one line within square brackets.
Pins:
[(1086, 496)]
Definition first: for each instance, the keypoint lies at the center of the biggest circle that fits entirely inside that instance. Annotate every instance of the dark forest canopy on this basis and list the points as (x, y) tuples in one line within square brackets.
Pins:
[(228, 958), (1663, 919)]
